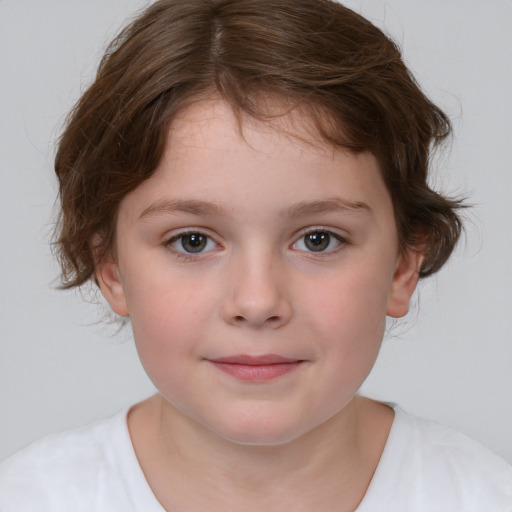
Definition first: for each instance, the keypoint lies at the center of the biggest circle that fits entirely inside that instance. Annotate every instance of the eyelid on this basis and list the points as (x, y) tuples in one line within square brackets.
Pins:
[(338, 233), (173, 237), (178, 232), (341, 238)]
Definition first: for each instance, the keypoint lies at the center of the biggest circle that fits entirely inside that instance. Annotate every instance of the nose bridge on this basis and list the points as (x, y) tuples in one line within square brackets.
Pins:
[(257, 296)]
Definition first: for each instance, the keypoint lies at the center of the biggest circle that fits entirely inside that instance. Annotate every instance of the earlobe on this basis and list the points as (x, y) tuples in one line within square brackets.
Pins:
[(107, 274), (404, 283)]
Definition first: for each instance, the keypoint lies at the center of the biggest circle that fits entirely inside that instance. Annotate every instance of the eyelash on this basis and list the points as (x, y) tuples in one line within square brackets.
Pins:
[(342, 241), (191, 256), (188, 256)]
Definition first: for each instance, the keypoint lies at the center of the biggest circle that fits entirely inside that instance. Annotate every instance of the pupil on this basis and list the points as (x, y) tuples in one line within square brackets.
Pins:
[(194, 242), (317, 241)]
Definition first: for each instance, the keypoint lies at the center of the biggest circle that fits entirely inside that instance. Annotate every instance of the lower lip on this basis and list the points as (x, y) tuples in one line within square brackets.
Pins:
[(257, 373)]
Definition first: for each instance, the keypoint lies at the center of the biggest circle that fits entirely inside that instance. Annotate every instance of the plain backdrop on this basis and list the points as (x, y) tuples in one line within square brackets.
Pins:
[(450, 360)]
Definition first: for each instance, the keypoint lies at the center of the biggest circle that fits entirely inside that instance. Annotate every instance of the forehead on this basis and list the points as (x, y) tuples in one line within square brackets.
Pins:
[(255, 167), (279, 124)]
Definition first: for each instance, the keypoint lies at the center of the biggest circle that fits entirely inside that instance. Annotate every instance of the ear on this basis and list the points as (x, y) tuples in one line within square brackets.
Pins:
[(405, 279), (107, 274)]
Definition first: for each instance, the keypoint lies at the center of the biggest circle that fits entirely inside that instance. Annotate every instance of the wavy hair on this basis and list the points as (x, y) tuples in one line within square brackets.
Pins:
[(342, 71)]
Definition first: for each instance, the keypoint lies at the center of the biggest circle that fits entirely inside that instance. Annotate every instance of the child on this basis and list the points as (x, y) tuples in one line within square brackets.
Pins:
[(246, 180)]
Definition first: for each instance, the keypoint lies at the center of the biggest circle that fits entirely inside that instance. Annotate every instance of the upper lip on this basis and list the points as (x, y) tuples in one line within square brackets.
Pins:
[(254, 360)]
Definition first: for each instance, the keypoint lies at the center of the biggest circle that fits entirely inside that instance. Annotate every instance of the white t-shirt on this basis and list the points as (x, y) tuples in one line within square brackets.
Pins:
[(424, 467)]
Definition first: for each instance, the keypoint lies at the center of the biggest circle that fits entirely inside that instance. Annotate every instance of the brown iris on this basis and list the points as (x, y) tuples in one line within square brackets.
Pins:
[(318, 241), (194, 242)]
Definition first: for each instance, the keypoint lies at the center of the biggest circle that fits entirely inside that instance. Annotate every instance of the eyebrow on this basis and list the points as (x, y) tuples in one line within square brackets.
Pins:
[(301, 209), (183, 206), (327, 205)]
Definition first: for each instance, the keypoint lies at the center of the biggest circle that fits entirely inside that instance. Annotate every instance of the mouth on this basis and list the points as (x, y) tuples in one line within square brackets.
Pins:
[(256, 368)]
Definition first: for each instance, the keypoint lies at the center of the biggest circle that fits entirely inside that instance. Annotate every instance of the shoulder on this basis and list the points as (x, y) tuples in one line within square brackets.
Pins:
[(427, 466), (60, 470), (454, 454)]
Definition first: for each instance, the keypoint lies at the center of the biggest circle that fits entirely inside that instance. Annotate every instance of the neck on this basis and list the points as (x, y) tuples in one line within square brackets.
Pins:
[(328, 468)]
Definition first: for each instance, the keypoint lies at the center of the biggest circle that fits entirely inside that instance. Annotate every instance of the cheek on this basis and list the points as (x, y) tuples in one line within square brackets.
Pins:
[(168, 317), (352, 314), (354, 321)]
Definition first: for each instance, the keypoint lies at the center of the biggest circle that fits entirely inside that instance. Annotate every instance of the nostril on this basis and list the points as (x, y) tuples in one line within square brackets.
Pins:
[(241, 318)]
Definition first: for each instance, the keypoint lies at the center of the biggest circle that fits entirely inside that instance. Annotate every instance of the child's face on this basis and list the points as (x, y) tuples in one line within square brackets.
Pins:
[(259, 247)]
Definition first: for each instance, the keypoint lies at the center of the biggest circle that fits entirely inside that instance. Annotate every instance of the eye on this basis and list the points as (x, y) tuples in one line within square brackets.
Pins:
[(192, 243), (318, 241)]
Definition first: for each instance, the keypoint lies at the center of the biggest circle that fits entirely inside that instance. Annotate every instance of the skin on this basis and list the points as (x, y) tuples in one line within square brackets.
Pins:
[(303, 439)]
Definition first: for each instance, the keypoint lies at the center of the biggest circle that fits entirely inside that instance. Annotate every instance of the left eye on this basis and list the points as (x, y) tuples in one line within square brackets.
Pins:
[(318, 241), (192, 243)]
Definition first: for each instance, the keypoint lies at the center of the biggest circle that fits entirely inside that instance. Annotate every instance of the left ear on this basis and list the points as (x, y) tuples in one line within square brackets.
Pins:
[(404, 282)]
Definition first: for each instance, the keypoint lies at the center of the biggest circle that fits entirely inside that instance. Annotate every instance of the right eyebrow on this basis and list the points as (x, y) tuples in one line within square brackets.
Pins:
[(182, 206)]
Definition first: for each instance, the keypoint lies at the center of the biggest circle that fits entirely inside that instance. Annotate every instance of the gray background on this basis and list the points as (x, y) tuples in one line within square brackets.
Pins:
[(451, 359)]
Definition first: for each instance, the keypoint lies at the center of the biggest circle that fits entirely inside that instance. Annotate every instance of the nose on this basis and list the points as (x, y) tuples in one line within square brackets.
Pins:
[(257, 295)]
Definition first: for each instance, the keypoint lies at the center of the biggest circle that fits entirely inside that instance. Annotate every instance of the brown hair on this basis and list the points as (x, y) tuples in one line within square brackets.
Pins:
[(345, 74)]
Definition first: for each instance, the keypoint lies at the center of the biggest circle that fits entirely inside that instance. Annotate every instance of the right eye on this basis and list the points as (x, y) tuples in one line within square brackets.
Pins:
[(192, 243)]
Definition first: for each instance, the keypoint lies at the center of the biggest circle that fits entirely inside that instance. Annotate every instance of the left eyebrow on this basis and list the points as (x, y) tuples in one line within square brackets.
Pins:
[(327, 205)]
